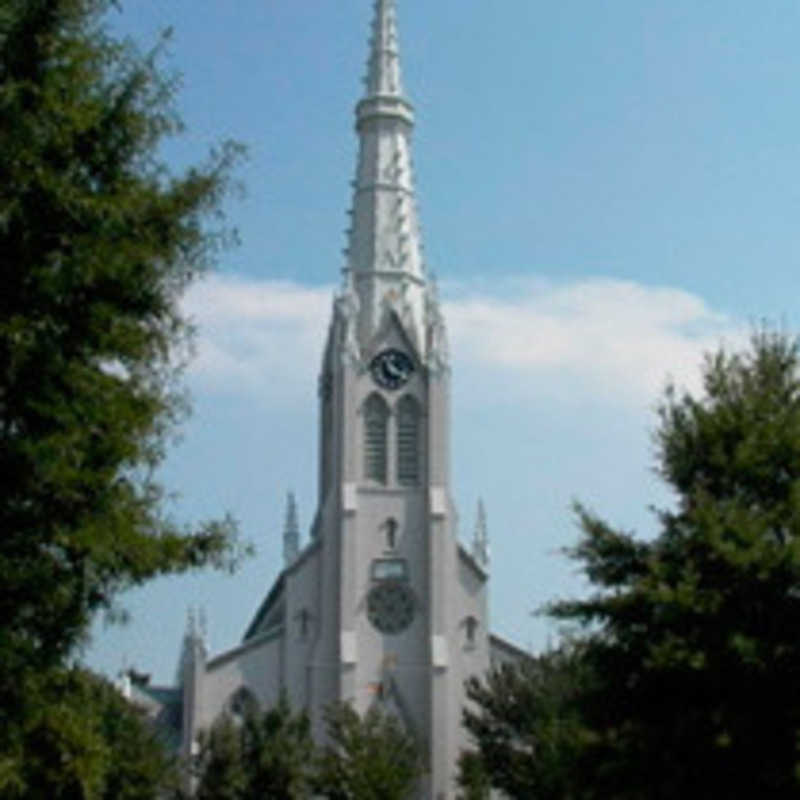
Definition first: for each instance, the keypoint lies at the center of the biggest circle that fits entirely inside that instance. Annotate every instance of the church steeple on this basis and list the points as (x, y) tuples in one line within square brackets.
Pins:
[(384, 271), (384, 606)]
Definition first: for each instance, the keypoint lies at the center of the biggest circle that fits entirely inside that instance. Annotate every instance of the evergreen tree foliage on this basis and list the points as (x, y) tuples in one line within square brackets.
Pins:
[(683, 679), (221, 768), (473, 777), (693, 635), (271, 754), (370, 758), (98, 240), (82, 740), (278, 751), (525, 728), (262, 754)]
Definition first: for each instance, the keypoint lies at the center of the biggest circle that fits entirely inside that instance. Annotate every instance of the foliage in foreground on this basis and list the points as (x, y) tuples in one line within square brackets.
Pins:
[(271, 754), (688, 644), (526, 728), (98, 242), (371, 757), (261, 754), (82, 739)]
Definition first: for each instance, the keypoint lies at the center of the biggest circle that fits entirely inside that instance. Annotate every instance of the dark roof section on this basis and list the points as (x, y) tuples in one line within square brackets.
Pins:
[(164, 708), (276, 592), (256, 640), (467, 557), (266, 606), (509, 650)]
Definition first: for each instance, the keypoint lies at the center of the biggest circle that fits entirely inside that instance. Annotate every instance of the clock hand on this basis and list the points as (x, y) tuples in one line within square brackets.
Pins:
[(393, 369)]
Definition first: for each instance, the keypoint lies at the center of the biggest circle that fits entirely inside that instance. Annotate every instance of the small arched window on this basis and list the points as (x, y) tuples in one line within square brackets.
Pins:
[(408, 425), (471, 628), (391, 533), (376, 417), (242, 704)]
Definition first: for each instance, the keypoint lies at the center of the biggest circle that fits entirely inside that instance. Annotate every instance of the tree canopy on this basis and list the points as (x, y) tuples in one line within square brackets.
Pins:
[(98, 240), (690, 661), (260, 754), (526, 728), (81, 740), (271, 754), (371, 757)]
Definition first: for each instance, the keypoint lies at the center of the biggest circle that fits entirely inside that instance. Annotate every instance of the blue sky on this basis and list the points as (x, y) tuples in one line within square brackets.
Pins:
[(607, 189)]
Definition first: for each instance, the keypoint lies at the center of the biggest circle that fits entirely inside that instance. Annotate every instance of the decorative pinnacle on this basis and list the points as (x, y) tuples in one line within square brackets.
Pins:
[(193, 650), (291, 531), (480, 539)]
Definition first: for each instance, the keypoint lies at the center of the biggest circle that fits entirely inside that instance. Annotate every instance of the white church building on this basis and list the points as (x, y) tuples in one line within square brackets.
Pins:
[(383, 605)]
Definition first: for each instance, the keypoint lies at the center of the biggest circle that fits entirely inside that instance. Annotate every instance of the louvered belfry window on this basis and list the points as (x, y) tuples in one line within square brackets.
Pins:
[(408, 442), (376, 417)]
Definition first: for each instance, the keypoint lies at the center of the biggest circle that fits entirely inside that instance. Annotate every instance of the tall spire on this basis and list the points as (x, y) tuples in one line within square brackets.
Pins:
[(383, 67), (384, 270)]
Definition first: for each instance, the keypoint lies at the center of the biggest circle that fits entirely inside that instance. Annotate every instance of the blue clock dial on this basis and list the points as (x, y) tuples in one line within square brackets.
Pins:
[(391, 368), (390, 606)]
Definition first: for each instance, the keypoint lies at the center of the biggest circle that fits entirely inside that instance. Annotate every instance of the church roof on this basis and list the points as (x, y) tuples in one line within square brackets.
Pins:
[(163, 706), (269, 604), (270, 612)]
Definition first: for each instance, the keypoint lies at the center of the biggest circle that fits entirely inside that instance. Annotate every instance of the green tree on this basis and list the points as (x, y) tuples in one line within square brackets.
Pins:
[(222, 771), (473, 777), (369, 758), (98, 240), (525, 728), (261, 754), (693, 634), (86, 741)]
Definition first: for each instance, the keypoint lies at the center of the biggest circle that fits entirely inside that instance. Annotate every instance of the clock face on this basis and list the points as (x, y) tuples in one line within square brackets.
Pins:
[(390, 607), (391, 368)]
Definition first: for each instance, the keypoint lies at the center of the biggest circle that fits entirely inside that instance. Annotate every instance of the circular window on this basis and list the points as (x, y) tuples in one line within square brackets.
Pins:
[(390, 607)]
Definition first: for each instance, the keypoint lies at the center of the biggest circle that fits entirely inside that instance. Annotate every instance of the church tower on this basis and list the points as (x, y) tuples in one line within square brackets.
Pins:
[(406, 606), (382, 605)]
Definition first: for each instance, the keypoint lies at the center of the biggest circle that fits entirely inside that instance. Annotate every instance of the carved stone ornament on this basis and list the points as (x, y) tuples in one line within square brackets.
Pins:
[(438, 354), (396, 301), (348, 305)]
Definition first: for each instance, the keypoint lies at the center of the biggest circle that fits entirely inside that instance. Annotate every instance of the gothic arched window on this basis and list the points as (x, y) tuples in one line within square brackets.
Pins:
[(242, 704), (376, 419), (408, 425)]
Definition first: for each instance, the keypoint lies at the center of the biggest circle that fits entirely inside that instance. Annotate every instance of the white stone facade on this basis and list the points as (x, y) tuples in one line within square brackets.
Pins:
[(383, 605)]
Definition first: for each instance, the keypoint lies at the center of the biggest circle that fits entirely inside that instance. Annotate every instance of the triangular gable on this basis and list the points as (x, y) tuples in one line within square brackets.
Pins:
[(391, 324), (269, 603)]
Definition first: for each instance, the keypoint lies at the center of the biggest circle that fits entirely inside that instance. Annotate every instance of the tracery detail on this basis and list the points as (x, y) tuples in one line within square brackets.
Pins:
[(408, 425), (376, 421)]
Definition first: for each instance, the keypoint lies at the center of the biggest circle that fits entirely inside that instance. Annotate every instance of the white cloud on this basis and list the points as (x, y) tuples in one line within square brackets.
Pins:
[(258, 336), (616, 338)]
